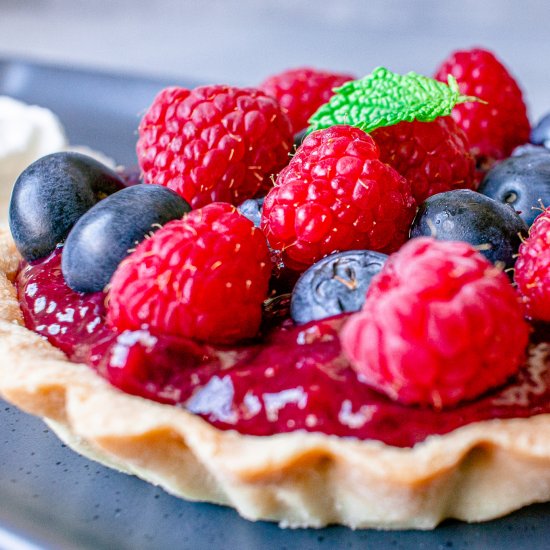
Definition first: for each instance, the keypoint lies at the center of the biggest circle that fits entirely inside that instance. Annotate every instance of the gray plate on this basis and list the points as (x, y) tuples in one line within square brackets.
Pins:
[(52, 498)]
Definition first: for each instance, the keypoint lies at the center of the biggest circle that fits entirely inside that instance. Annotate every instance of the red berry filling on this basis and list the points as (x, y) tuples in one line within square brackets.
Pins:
[(295, 378)]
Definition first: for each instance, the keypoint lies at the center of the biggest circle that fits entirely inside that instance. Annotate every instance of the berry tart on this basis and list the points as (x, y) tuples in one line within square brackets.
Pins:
[(356, 352)]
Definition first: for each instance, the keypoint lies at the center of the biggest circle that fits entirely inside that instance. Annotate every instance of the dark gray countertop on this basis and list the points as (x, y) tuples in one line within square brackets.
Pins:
[(53, 499)]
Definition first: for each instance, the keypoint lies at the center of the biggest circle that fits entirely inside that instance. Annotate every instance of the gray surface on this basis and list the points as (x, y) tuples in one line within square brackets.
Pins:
[(57, 500), (243, 41), (52, 498)]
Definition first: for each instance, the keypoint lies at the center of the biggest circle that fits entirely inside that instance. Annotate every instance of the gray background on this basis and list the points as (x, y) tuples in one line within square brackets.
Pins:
[(243, 42)]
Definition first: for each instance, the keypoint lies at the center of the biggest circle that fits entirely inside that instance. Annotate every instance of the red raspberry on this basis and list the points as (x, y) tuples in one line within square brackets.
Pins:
[(213, 143), (203, 277), (494, 128), (336, 195), (302, 91), (532, 269), (433, 156), (440, 325)]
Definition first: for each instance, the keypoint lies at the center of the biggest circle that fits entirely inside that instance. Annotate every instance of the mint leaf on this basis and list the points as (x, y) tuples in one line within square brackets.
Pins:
[(384, 98)]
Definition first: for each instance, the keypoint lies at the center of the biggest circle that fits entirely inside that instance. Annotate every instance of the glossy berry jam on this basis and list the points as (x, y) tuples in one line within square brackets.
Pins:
[(295, 378)]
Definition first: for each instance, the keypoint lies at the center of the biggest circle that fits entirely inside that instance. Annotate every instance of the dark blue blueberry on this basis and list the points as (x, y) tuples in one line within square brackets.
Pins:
[(335, 284), (103, 236), (299, 138), (252, 209), (540, 134), (522, 182), (49, 197), (463, 215)]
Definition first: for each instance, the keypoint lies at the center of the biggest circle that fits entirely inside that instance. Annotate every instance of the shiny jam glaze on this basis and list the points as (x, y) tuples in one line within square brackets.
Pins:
[(294, 378)]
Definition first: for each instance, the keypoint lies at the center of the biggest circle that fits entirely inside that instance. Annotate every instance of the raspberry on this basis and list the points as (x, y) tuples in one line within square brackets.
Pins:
[(496, 127), (440, 325), (213, 143), (336, 195), (433, 156), (302, 91), (203, 277), (532, 270)]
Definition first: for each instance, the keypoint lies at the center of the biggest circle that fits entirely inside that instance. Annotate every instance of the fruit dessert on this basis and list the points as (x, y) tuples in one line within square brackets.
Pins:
[(333, 327)]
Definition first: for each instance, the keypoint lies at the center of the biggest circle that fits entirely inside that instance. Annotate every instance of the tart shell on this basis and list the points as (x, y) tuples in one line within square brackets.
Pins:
[(299, 479)]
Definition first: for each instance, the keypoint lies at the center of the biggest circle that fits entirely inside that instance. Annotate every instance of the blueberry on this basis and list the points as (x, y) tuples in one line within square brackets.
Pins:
[(540, 134), (335, 284), (51, 194), (522, 182), (105, 234), (252, 209), (299, 138), (529, 149), (464, 215)]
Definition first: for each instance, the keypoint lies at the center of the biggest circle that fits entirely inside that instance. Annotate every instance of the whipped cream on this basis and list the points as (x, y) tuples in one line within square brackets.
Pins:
[(27, 132), (97, 155)]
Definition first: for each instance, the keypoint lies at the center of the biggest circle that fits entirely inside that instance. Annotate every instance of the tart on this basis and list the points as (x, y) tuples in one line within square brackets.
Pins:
[(319, 448), (476, 472)]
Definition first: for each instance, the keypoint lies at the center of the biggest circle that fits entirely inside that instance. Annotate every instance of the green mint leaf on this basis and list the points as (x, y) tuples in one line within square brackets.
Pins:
[(384, 98)]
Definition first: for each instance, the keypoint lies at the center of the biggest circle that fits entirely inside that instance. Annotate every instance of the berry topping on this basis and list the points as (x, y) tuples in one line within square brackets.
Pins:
[(250, 394), (529, 149), (336, 195), (252, 209), (499, 123), (336, 284), (522, 181), (540, 134), (49, 197), (532, 272), (104, 235), (302, 91), (213, 143), (433, 156), (431, 331), (203, 277), (495, 229), (384, 98)]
